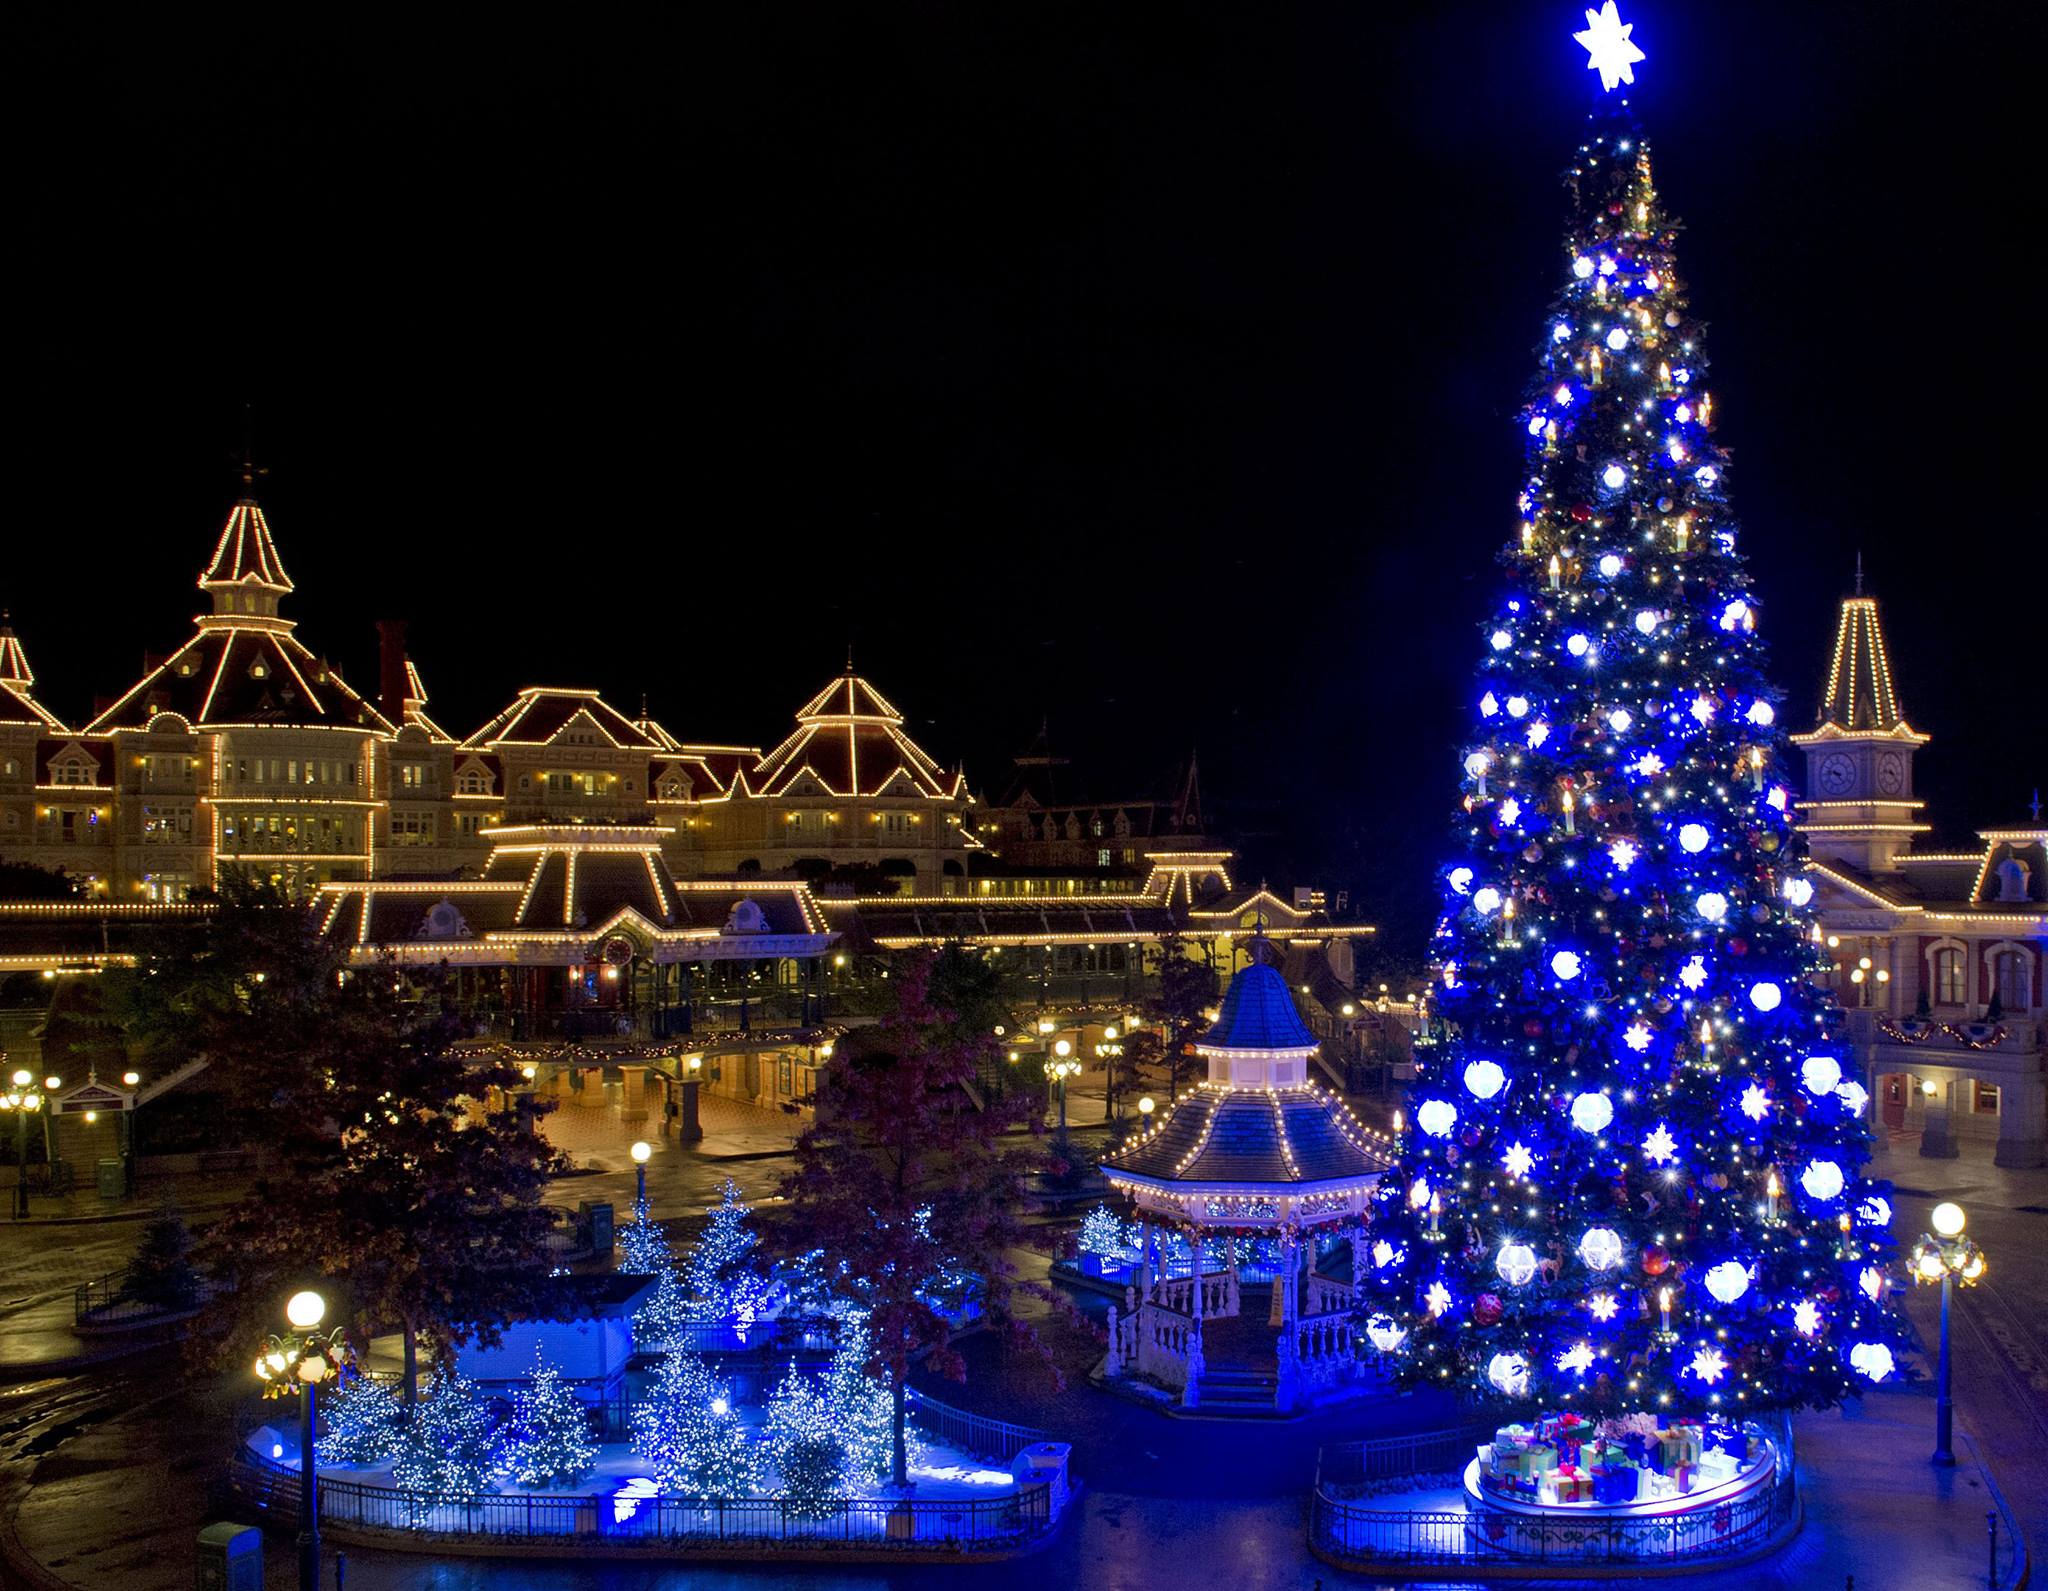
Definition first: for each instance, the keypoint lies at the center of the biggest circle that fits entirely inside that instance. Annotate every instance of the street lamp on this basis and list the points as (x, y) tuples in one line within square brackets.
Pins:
[(1947, 1257), (293, 1364), (21, 1098), (1146, 1106), (1110, 1052), (641, 1151), (1061, 1067)]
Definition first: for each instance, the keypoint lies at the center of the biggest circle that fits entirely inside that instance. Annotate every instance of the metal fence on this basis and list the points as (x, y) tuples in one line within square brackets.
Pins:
[(626, 1524), (1347, 1529), (103, 1302)]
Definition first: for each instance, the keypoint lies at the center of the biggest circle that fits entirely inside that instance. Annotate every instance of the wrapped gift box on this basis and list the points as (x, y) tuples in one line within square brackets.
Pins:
[(1510, 1437), (1531, 1462), (1684, 1476), (1718, 1465), (1570, 1485), (1679, 1444), (1617, 1482)]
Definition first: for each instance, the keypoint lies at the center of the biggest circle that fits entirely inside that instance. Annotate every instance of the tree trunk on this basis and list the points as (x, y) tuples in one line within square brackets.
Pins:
[(899, 1456), (412, 1364)]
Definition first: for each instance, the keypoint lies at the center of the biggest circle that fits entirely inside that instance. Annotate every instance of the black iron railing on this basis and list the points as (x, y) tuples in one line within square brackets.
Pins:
[(626, 1524)]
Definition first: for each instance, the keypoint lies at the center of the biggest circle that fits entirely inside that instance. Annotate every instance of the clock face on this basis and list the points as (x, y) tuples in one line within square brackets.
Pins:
[(1837, 773), (1891, 773)]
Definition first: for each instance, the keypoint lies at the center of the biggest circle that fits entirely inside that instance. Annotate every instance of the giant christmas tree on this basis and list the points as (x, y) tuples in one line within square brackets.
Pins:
[(1632, 1181)]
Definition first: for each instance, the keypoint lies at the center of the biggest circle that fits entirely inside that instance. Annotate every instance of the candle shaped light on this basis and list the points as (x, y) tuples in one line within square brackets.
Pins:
[(1756, 766), (1436, 1209), (1683, 527), (1569, 803), (1596, 367), (1664, 1308), (1771, 1195), (1528, 536), (1556, 568)]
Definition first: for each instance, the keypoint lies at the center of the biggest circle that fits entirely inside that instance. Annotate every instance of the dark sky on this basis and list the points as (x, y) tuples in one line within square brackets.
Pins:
[(1151, 367)]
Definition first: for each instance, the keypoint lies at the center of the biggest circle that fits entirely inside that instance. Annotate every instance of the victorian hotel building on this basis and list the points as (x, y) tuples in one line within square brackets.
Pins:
[(1936, 955), (588, 877)]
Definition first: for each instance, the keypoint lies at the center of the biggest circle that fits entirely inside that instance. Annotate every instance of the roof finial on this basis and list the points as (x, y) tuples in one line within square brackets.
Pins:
[(249, 467), (849, 654), (2037, 804), (643, 707), (1859, 571)]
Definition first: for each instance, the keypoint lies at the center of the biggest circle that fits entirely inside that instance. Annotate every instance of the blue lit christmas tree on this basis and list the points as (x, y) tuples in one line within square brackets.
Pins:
[(808, 1446), (448, 1445), (361, 1422), (1632, 1181), (549, 1443), (689, 1429), (723, 1278)]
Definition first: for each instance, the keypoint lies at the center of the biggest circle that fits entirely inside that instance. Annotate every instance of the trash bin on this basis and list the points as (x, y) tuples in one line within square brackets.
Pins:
[(113, 1184), (230, 1558)]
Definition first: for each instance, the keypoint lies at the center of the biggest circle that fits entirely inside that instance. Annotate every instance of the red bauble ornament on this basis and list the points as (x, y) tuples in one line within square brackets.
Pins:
[(1656, 1259), (1581, 513), (1533, 1028), (1486, 1310), (1738, 946)]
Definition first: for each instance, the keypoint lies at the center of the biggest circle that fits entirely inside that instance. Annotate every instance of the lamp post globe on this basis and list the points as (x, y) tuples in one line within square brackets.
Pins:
[(641, 1152), (1947, 1257), (305, 1310), (1147, 1105)]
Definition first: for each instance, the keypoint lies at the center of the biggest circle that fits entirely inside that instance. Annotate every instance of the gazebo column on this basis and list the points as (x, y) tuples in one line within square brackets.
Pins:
[(1191, 1393), (1143, 1278), (1284, 1394)]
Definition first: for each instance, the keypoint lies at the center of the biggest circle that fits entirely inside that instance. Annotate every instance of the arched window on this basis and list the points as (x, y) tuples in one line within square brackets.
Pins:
[(1948, 977), (2009, 973)]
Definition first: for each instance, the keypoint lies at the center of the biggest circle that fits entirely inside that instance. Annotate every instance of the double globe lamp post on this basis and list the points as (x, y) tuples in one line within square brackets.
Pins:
[(1062, 1066), (294, 1363), (1947, 1257), (22, 1099)]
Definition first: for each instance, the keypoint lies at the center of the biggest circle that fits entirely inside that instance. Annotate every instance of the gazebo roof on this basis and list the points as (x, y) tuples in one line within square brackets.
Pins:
[(1258, 1014), (1286, 1139)]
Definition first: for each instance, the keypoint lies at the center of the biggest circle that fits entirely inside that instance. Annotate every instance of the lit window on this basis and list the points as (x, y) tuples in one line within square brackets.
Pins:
[(2011, 973), (1948, 977)]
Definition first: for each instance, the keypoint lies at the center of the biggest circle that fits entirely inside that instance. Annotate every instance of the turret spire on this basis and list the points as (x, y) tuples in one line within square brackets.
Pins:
[(1859, 694)]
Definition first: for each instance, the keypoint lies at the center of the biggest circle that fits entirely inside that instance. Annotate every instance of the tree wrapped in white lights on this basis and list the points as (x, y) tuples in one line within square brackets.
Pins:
[(549, 1443), (723, 1277), (361, 1420), (449, 1445), (808, 1445), (689, 1430)]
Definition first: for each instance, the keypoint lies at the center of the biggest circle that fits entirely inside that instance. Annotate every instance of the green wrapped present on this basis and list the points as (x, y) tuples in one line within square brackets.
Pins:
[(1676, 1445), (1531, 1462)]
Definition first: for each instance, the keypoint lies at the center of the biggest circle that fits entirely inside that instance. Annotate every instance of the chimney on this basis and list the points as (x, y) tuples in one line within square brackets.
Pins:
[(391, 669)]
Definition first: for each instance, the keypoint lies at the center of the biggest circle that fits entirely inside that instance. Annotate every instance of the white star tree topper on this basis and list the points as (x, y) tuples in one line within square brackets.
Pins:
[(1606, 41)]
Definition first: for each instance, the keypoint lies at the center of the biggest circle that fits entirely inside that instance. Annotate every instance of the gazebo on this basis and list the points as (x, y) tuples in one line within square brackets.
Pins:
[(1257, 1151)]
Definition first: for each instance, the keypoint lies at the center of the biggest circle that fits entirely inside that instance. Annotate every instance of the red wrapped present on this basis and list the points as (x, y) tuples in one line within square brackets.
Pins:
[(1683, 1475), (1570, 1484)]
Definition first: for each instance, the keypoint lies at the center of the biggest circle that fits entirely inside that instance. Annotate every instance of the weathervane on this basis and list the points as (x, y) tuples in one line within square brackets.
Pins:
[(1607, 42)]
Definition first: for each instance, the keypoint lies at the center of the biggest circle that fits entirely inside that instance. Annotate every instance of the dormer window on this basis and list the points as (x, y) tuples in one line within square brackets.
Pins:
[(259, 671)]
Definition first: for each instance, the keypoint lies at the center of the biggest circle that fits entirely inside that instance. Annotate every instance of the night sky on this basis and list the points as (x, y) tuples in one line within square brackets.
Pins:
[(1150, 368)]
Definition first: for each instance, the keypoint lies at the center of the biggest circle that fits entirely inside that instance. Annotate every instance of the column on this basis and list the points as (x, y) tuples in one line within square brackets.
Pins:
[(1191, 1392), (1937, 1136), (1142, 1278), (1286, 1391), (2022, 1130)]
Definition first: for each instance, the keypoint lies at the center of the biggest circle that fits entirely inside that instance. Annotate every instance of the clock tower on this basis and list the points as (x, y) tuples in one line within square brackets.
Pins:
[(1859, 807)]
